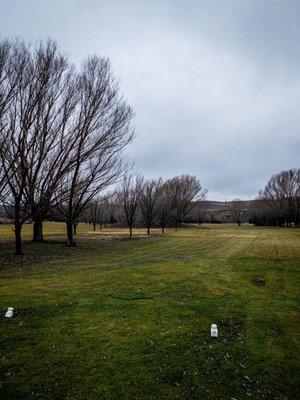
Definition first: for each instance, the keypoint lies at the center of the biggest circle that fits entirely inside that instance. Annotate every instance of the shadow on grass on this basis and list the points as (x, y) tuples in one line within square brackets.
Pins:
[(37, 254), (34, 253)]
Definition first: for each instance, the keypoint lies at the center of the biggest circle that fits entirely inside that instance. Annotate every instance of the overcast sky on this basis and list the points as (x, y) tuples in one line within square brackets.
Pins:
[(215, 84)]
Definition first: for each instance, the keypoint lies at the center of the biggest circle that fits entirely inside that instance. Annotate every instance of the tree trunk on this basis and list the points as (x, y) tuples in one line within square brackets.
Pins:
[(162, 229), (38, 230), (18, 239), (17, 229), (94, 226), (74, 228), (130, 232), (148, 230), (71, 242)]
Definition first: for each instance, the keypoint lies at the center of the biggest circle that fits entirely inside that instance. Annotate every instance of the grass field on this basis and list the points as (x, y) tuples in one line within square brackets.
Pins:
[(129, 319)]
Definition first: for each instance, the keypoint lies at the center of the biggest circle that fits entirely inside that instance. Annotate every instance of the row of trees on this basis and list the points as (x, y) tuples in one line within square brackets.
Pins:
[(180, 200), (62, 132), (149, 202)]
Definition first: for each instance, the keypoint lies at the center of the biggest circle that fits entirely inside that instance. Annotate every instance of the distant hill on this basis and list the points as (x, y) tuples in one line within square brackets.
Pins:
[(221, 205), (218, 211)]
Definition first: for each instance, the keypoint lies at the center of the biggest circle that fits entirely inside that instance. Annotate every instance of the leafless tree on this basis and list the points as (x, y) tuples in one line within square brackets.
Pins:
[(36, 103), (18, 129), (96, 212), (237, 211), (183, 191), (111, 208), (129, 196), (164, 207), (102, 130), (61, 133), (149, 205), (50, 156), (282, 196)]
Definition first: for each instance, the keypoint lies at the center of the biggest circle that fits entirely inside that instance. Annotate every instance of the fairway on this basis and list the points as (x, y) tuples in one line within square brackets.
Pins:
[(124, 319)]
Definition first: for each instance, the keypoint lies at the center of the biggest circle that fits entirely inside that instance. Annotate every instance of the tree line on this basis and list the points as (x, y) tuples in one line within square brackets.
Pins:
[(149, 203)]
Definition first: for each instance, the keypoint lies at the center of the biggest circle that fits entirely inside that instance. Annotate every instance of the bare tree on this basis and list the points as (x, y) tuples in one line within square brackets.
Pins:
[(164, 207), (149, 196), (183, 191), (35, 105), (49, 159), (237, 211), (102, 130), (129, 196), (61, 133), (95, 213), (18, 133), (112, 208), (282, 196)]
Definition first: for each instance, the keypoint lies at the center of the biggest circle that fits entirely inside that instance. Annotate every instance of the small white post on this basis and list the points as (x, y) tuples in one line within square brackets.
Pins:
[(9, 312), (214, 330)]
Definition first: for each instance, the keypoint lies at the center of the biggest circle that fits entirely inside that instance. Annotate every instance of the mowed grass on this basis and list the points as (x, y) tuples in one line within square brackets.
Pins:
[(130, 319)]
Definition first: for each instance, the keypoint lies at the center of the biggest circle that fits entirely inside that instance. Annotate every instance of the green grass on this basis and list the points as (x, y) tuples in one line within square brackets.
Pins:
[(129, 319)]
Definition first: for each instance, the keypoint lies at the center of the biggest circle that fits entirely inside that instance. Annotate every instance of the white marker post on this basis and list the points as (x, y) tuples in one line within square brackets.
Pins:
[(9, 312), (214, 330)]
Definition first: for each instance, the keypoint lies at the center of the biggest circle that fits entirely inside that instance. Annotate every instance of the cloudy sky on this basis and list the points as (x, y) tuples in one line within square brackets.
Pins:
[(215, 84)]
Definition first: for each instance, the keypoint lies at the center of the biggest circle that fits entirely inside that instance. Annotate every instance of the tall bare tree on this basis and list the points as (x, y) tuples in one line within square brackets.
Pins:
[(164, 207), (149, 196), (61, 133), (183, 191), (102, 130), (129, 196), (18, 123), (282, 196), (50, 156)]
